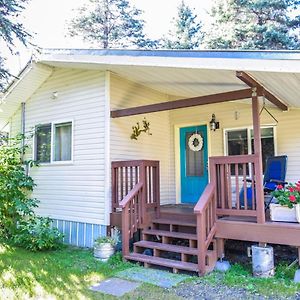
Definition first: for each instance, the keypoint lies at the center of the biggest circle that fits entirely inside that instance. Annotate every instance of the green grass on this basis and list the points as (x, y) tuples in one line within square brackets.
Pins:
[(241, 276), (62, 274), (68, 273)]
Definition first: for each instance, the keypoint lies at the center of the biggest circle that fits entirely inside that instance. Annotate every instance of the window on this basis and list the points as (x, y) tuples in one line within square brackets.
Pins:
[(241, 141), (63, 141), (43, 143), (53, 142)]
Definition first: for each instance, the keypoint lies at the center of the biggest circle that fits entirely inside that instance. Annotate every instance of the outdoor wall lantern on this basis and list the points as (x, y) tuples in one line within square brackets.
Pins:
[(213, 123)]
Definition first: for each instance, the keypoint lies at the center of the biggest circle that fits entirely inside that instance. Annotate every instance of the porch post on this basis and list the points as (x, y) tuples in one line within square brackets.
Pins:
[(259, 191)]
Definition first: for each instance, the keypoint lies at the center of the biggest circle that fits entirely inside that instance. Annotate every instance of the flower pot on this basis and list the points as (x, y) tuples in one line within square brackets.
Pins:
[(103, 251), (284, 214)]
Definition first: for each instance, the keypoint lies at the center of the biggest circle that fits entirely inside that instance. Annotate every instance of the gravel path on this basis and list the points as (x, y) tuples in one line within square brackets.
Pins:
[(205, 290)]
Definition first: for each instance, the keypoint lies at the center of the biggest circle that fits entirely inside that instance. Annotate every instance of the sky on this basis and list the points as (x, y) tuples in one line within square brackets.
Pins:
[(47, 21)]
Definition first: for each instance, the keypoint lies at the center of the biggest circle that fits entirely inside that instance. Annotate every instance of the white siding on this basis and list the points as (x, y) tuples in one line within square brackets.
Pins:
[(155, 147), (74, 191)]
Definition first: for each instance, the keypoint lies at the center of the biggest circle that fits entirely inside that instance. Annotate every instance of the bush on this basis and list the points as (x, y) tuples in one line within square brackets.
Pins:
[(15, 187), (18, 221), (36, 234)]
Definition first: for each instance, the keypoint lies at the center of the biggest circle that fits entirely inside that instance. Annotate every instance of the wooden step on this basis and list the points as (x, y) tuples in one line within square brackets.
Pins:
[(167, 247), (175, 222), (172, 234), (158, 261)]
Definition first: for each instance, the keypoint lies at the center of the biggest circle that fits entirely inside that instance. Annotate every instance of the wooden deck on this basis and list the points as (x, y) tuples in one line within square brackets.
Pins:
[(230, 227), (192, 235)]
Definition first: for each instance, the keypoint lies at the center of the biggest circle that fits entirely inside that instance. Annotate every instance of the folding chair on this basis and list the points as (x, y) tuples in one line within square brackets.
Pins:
[(275, 173)]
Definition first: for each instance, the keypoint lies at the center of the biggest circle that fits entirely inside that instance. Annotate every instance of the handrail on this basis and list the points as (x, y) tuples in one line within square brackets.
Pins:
[(204, 199), (233, 159), (205, 210), (132, 215), (131, 194)]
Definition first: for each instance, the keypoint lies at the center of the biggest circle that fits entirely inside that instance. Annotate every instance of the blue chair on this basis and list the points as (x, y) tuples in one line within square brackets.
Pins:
[(275, 173)]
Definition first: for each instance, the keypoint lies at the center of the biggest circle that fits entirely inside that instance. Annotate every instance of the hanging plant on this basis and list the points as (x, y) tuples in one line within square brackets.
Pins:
[(137, 129)]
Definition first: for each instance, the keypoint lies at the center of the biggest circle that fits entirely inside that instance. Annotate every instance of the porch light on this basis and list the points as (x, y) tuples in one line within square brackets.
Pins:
[(213, 123)]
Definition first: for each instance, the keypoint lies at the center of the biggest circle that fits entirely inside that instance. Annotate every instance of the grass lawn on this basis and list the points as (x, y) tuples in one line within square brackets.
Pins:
[(68, 274), (62, 274)]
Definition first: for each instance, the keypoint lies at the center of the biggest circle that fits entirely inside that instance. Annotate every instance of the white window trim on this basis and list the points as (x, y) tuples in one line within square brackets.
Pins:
[(52, 161), (248, 128)]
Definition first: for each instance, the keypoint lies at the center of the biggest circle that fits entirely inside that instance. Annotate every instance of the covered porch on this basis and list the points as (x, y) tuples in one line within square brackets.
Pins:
[(221, 212)]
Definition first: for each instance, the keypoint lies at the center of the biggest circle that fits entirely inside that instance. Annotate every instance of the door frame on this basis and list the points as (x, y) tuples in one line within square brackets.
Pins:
[(177, 152)]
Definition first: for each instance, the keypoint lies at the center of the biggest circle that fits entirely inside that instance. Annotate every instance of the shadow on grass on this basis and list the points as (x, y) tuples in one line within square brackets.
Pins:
[(63, 274)]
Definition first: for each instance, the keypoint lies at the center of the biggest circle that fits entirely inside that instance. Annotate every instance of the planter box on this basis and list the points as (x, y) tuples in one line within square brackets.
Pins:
[(284, 214)]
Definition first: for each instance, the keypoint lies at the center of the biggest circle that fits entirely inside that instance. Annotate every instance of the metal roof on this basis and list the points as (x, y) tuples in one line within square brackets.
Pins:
[(232, 54)]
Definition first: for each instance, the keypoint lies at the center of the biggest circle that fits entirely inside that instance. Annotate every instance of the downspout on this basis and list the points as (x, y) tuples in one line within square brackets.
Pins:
[(23, 107)]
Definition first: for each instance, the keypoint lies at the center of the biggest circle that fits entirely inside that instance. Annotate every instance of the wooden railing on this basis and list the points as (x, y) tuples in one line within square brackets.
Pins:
[(126, 174), (132, 214), (205, 210), (135, 192), (234, 177)]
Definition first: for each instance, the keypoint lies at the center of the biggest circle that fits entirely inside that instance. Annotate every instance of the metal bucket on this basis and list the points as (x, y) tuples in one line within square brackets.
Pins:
[(262, 261), (103, 251)]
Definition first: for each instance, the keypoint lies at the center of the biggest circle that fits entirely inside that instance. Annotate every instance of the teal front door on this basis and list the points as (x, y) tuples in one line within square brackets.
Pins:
[(193, 162)]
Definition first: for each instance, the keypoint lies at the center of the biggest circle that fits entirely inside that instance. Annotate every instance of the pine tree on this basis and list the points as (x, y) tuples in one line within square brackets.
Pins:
[(111, 24), (10, 32), (186, 32), (254, 24)]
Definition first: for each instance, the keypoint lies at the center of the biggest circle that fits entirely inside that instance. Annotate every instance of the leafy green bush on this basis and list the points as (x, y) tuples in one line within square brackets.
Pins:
[(18, 221), (36, 234), (15, 187)]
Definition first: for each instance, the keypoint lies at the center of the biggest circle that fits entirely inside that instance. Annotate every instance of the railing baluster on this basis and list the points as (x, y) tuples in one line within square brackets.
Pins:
[(253, 188), (237, 189), (245, 186), (222, 182), (228, 172)]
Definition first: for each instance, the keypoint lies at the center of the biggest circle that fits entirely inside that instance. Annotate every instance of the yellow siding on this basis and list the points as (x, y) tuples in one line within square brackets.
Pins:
[(287, 130), (155, 147), (74, 191)]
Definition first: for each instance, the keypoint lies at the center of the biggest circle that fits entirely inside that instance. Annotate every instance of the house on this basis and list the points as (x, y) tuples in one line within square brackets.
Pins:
[(182, 177)]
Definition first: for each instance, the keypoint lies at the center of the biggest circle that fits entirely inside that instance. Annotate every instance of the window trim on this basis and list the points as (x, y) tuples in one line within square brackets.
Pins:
[(52, 161), (248, 128)]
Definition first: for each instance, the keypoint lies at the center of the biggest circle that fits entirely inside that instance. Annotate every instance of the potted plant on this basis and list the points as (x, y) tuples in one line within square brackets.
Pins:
[(104, 247), (288, 207)]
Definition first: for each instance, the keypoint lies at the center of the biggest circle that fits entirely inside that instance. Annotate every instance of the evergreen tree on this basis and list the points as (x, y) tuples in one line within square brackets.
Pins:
[(111, 24), (186, 32), (254, 24), (10, 32)]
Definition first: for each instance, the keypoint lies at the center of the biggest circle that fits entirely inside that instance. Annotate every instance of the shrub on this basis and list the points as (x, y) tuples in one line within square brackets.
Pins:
[(15, 187), (18, 221), (36, 234)]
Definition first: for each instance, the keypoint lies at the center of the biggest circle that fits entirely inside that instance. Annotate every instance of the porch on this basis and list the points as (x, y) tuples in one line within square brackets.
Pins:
[(195, 236), (192, 236)]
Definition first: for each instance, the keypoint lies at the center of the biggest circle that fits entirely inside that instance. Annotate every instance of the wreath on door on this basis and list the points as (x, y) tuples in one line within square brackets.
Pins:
[(195, 142)]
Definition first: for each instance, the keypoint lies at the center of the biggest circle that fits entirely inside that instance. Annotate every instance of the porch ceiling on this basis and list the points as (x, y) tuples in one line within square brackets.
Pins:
[(181, 83)]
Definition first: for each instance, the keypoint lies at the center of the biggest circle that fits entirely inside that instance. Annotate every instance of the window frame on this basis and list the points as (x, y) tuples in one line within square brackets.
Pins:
[(248, 128), (52, 146)]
